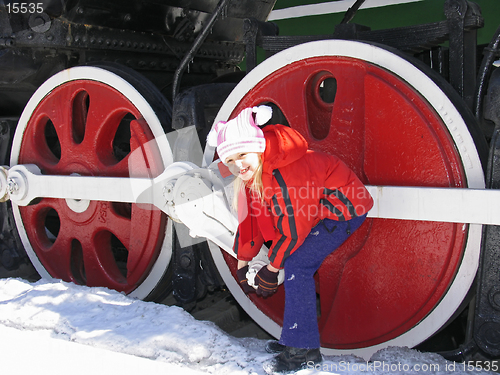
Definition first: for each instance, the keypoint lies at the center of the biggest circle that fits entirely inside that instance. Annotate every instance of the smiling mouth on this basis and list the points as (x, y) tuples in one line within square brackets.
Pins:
[(243, 171)]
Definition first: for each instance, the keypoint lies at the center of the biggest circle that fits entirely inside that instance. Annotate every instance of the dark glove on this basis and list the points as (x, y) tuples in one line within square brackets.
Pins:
[(267, 282), (243, 281)]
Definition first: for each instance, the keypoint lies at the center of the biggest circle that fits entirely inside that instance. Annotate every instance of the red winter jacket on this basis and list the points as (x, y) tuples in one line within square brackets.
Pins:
[(301, 187)]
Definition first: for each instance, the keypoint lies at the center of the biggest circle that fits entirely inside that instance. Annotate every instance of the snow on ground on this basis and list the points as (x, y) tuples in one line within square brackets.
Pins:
[(51, 325)]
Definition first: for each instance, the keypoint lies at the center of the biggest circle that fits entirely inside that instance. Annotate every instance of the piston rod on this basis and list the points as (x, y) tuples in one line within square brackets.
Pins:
[(23, 183)]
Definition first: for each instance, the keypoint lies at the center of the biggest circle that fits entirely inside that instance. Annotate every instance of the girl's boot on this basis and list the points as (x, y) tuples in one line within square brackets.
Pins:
[(293, 359)]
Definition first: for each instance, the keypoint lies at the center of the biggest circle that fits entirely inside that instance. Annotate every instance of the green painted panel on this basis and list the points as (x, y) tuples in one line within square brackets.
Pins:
[(414, 13)]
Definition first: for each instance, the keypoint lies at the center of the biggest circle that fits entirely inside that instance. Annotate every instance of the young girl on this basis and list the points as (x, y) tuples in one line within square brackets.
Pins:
[(307, 203)]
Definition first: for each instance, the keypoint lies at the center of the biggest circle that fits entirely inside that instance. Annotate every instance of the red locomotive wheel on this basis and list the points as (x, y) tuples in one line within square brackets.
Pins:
[(394, 282), (91, 121)]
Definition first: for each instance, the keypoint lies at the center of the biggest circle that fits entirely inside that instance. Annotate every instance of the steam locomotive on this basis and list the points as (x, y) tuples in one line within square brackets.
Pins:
[(93, 88)]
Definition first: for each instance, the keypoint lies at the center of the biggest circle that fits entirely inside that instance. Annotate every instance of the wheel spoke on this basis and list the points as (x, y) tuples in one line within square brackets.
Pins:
[(60, 115), (107, 108), (48, 135), (141, 248), (145, 155), (52, 235), (106, 111), (37, 216), (37, 148), (114, 222), (63, 120), (101, 267), (61, 255)]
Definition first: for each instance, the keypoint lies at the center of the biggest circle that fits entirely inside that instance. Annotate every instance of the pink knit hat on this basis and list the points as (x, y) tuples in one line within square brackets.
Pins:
[(241, 134)]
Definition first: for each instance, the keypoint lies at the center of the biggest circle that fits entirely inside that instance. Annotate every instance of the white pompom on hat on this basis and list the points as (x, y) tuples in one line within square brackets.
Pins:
[(241, 134)]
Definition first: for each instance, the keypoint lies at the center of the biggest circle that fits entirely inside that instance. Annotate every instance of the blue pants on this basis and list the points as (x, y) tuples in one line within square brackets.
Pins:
[(300, 322)]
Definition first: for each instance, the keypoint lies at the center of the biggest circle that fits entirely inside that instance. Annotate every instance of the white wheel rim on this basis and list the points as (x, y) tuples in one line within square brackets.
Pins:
[(108, 78), (454, 297)]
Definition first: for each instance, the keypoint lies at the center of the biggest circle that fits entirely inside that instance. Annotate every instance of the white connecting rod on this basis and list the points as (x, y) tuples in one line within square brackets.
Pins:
[(453, 205), (23, 183)]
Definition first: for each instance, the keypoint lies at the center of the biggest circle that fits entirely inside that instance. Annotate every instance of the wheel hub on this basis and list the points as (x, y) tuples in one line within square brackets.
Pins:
[(78, 205)]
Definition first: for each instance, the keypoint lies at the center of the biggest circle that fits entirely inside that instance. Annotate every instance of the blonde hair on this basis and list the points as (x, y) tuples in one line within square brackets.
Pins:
[(254, 185)]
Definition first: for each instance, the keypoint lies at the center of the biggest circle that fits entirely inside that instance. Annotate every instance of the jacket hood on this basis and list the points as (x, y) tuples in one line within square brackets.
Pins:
[(284, 145)]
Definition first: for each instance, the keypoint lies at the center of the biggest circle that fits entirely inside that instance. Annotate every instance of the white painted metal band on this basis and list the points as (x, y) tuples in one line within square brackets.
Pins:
[(329, 8), (452, 205)]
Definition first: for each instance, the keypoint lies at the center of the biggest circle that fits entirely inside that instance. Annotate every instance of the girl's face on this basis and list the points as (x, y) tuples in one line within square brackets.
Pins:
[(243, 165)]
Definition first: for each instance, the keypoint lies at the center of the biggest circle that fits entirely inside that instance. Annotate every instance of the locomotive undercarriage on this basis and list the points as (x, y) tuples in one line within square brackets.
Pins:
[(35, 49)]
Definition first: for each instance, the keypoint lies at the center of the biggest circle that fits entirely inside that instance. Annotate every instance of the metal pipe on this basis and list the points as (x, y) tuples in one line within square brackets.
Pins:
[(196, 45), (351, 12), (484, 73), (462, 353)]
